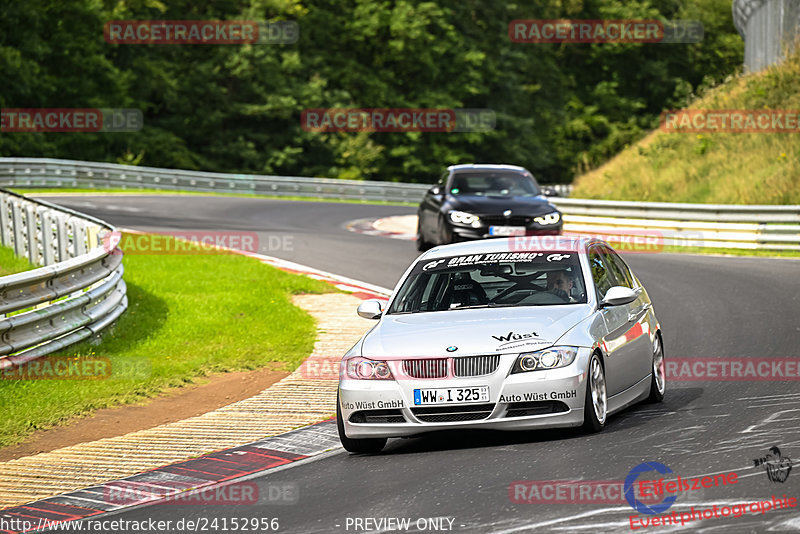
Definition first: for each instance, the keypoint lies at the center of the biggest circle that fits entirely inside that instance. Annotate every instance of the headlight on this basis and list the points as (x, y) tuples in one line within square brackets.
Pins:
[(550, 218), (462, 217), (551, 358), (364, 369)]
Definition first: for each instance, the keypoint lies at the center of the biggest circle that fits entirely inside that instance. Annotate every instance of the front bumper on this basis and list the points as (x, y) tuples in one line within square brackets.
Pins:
[(539, 399), (469, 233)]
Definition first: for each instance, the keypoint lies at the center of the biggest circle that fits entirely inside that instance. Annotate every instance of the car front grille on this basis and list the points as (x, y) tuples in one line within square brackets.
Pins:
[(426, 368), (499, 220), (522, 409), (377, 416), (452, 414), (476, 365)]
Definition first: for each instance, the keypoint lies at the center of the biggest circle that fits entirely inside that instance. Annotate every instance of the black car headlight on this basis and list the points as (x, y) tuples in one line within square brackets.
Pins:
[(462, 217), (541, 360), (550, 218)]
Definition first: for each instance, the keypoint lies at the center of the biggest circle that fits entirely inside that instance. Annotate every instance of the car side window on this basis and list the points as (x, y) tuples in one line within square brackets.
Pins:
[(621, 271), (602, 276)]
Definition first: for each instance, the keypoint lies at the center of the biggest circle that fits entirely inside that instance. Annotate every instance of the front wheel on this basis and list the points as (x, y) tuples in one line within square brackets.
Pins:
[(658, 384), (445, 232), (368, 445), (422, 245), (595, 408)]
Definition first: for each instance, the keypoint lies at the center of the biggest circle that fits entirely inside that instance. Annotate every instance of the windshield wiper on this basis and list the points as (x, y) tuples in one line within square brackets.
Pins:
[(475, 306)]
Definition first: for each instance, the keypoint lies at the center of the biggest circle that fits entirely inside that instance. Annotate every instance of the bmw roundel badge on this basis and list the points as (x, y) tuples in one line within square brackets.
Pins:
[(452, 348)]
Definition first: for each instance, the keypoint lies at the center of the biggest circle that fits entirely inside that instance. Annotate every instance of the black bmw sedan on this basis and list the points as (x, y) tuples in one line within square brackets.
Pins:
[(482, 200)]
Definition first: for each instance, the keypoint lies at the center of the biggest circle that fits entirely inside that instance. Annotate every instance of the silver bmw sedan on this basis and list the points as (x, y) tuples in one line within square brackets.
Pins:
[(509, 334)]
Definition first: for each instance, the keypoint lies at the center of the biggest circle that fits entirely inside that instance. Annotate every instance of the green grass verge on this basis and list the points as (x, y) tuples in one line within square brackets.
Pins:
[(47, 190), (725, 168), (188, 316), (11, 264)]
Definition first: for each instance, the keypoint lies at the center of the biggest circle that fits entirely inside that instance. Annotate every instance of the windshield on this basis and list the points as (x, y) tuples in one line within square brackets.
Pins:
[(492, 280), (494, 184)]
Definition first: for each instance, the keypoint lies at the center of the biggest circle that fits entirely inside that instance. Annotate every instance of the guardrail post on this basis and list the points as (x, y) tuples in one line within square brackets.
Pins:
[(5, 222), (78, 237), (19, 236), (48, 238), (33, 234), (63, 237)]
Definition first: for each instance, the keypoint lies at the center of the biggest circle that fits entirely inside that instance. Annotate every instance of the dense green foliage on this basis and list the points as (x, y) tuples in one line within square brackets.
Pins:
[(561, 108)]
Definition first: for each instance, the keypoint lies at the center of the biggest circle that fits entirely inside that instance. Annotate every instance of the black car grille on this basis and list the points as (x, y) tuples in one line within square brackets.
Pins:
[(522, 409), (452, 414), (377, 416), (499, 220), (476, 365), (426, 368)]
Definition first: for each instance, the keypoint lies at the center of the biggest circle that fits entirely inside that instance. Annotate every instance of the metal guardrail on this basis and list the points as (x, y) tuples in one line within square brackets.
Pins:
[(685, 225), (25, 172), (78, 291), (35, 172), (693, 225)]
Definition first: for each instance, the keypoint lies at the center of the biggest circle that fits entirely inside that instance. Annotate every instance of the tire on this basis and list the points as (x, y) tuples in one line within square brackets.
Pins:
[(595, 409), (658, 383), (366, 446), (422, 245), (445, 236)]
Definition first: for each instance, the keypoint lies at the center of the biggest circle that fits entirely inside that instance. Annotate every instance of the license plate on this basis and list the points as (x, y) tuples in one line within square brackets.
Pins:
[(451, 395), (507, 230)]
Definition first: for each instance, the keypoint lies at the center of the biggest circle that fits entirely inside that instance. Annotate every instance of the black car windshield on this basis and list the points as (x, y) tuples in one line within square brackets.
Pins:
[(494, 184), (505, 279)]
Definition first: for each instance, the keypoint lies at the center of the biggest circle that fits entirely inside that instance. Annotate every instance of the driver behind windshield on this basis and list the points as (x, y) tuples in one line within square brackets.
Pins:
[(560, 283)]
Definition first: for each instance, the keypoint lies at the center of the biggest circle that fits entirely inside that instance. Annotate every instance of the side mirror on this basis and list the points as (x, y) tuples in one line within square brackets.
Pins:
[(370, 309), (435, 190), (617, 296)]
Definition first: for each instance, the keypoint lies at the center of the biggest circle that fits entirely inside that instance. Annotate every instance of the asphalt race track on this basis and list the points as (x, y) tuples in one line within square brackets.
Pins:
[(711, 307)]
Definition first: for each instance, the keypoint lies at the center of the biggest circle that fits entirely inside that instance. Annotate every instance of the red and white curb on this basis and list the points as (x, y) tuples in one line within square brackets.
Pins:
[(373, 227)]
